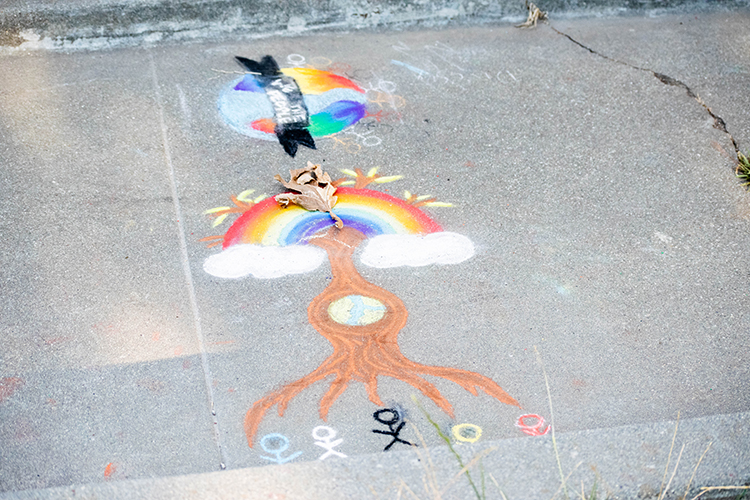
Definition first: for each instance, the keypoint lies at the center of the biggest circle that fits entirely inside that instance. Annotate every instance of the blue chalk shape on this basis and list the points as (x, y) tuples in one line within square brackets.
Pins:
[(414, 69), (284, 444)]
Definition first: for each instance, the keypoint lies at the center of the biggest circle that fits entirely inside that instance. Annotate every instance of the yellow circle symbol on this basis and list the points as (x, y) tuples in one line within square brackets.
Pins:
[(467, 433), (356, 310)]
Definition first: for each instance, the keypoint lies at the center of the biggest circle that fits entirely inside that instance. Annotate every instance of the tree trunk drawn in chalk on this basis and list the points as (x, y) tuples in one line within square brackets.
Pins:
[(360, 320)]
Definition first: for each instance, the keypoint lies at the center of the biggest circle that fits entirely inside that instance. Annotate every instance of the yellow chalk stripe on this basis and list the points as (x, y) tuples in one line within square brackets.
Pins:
[(390, 178), (219, 220), (243, 196), (217, 209)]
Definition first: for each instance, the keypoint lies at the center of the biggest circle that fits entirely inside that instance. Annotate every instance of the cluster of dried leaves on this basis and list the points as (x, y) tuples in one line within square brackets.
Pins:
[(535, 15), (315, 189)]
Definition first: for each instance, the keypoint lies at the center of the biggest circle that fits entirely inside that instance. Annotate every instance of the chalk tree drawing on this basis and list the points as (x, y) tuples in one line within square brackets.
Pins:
[(290, 105), (360, 319)]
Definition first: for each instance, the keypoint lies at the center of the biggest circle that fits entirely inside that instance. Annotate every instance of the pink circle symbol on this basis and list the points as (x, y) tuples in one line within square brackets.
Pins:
[(533, 429)]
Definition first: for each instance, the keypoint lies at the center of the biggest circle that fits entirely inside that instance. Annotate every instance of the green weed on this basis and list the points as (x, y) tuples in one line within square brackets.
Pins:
[(480, 492), (743, 170)]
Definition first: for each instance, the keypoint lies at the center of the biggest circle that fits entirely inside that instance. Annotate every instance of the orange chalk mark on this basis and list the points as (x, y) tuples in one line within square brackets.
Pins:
[(266, 125), (212, 241), (362, 353), (109, 470)]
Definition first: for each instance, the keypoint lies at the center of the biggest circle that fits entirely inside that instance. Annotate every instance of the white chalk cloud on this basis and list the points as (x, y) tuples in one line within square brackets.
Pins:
[(393, 250), (262, 262)]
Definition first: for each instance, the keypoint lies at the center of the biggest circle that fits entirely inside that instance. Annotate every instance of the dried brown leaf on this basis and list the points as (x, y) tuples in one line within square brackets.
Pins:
[(315, 188), (312, 174)]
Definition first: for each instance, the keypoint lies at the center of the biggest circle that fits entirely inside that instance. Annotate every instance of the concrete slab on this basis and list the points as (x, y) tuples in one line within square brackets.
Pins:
[(608, 227), (100, 361)]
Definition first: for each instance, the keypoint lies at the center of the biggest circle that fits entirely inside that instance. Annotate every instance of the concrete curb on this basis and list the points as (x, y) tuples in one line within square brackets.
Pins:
[(76, 24), (622, 463)]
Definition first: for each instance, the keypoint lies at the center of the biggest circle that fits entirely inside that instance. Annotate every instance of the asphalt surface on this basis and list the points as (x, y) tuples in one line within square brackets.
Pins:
[(591, 168)]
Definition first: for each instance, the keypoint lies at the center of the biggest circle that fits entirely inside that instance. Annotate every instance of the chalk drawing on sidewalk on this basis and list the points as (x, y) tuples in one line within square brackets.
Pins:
[(360, 319), (392, 418), (290, 105), (276, 444), (466, 433), (532, 429), (327, 442), (308, 101), (109, 470), (383, 107)]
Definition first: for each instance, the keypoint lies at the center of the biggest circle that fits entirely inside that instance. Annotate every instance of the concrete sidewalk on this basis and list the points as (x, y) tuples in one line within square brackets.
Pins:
[(606, 231)]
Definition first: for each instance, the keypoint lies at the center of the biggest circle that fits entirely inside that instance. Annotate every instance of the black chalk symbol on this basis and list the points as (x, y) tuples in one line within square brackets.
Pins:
[(290, 112), (266, 67), (290, 138), (390, 422)]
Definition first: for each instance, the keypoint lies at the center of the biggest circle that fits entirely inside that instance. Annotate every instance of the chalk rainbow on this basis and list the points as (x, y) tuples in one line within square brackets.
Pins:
[(310, 81), (371, 212), (315, 81)]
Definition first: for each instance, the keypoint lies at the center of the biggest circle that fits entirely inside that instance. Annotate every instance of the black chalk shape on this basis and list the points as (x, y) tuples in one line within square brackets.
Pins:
[(266, 67), (290, 112), (290, 139), (391, 422)]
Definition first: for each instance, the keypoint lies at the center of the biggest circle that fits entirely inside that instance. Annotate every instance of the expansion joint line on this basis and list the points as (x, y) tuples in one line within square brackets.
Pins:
[(719, 122), (207, 376)]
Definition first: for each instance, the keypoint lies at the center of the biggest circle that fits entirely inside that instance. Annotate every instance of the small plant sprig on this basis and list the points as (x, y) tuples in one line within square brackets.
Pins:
[(464, 468), (743, 170)]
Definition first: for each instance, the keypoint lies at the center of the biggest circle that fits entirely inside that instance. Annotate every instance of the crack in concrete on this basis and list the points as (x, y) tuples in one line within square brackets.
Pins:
[(719, 122)]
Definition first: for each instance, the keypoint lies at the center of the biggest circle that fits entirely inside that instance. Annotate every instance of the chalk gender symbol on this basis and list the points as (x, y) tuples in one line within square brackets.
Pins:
[(390, 422), (283, 445), (326, 441)]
